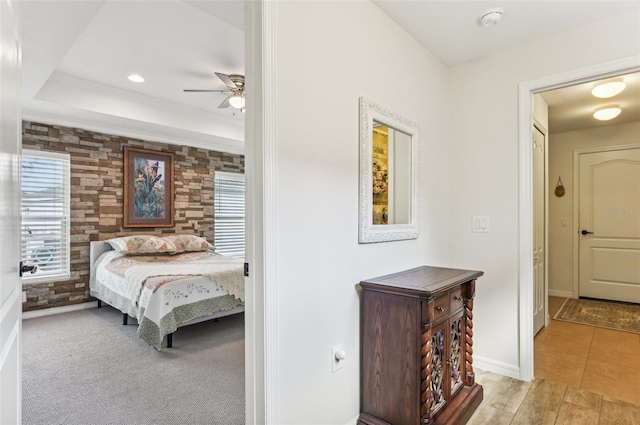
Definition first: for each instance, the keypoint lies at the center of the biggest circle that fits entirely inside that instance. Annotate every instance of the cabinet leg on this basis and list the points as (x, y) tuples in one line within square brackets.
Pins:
[(470, 377)]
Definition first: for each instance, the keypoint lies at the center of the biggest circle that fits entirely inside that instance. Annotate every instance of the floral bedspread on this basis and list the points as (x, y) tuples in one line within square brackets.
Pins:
[(162, 291)]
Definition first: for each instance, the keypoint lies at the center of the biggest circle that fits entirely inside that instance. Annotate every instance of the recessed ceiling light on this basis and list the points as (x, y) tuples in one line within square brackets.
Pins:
[(608, 89), (491, 16), (608, 112), (135, 78)]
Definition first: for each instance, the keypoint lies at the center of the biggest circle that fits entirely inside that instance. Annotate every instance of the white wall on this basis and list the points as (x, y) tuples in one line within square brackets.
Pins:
[(561, 148), (484, 167), (328, 54)]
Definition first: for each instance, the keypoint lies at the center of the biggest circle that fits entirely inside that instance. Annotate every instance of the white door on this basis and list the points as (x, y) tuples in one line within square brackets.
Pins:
[(538, 230), (10, 288), (610, 225)]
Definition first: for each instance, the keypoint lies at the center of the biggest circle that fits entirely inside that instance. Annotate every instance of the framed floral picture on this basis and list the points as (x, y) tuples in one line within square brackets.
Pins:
[(148, 188)]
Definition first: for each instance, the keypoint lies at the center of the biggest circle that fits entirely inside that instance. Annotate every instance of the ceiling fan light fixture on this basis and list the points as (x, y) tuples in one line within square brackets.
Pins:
[(237, 100), (136, 78), (608, 89), (608, 112)]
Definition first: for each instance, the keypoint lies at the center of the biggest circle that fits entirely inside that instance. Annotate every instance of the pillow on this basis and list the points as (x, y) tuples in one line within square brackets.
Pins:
[(185, 243), (141, 244)]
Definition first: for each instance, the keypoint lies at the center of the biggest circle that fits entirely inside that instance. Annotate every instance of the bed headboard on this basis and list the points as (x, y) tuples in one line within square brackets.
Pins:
[(96, 249)]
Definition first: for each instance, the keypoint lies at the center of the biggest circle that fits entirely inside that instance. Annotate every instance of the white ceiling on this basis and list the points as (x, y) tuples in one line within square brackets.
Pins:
[(77, 55), (571, 108)]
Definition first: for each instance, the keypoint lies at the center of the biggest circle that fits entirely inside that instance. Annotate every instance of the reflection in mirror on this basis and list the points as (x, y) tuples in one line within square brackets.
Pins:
[(391, 175), (388, 175)]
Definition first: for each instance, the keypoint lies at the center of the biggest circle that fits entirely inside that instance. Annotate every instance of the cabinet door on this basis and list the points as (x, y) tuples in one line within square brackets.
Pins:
[(439, 358), (456, 353)]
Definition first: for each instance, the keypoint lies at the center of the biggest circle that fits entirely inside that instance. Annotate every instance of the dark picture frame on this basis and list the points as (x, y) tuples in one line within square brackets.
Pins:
[(148, 188)]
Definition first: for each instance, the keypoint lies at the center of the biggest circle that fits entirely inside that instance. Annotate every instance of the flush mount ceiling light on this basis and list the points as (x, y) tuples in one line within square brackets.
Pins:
[(608, 112), (237, 100), (608, 89), (491, 16), (136, 78)]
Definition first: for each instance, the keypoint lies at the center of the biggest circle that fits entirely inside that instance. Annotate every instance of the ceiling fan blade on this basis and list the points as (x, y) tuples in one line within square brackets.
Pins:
[(202, 91), (225, 79), (225, 103)]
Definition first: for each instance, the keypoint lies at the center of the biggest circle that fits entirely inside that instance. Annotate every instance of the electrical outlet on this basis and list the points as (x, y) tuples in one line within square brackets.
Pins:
[(338, 356), (24, 296)]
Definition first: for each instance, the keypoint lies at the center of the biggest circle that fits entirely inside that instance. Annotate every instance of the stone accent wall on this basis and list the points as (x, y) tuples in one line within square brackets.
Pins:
[(97, 198)]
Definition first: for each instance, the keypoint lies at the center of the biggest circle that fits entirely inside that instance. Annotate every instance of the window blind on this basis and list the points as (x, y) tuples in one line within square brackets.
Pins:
[(229, 213), (45, 213)]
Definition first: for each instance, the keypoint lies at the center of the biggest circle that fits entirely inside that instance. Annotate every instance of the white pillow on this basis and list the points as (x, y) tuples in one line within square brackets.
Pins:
[(141, 244), (188, 243)]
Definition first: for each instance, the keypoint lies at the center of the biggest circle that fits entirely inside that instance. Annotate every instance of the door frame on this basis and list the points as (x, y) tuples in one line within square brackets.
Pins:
[(576, 205), (526, 90)]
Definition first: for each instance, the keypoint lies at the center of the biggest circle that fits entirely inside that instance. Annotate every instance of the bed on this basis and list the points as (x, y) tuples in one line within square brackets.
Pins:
[(164, 291)]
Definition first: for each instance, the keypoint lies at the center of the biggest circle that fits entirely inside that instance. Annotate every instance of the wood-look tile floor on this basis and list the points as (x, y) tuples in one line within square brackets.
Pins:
[(583, 375)]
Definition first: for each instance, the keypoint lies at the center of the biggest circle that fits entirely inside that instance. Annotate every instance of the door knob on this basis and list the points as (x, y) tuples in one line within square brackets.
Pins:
[(24, 268), (585, 232)]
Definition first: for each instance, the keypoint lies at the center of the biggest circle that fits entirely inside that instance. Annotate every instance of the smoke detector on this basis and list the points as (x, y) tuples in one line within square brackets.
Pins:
[(491, 16)]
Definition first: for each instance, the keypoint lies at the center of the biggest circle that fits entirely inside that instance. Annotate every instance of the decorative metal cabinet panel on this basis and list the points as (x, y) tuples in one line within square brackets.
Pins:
[(417, 355)]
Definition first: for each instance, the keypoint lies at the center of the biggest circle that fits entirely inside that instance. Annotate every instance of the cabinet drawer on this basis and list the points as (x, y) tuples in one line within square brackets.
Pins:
[(456, 299), (440, 307)]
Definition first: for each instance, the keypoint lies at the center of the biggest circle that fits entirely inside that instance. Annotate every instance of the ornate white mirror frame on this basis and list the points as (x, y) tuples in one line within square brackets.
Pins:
[(370, 113)]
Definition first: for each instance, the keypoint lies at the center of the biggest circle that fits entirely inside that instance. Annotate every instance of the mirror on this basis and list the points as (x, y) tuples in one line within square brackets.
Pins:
[(388, 175)]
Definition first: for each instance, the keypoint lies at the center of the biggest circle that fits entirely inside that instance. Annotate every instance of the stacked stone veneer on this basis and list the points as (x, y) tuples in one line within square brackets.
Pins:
[(97, 198)]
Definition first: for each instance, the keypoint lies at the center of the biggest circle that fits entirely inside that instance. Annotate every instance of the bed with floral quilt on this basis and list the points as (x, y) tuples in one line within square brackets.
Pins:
[(165, 282)]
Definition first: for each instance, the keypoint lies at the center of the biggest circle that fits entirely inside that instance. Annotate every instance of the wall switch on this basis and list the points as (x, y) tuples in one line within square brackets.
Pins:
[(338, 356), (480, 224), (563, 222)]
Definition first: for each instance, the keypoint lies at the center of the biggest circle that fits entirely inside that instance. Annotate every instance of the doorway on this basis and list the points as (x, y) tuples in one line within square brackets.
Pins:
[(526, 236)]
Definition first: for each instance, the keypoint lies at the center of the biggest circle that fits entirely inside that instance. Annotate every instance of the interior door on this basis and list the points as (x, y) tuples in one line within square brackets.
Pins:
[(10, 288), (539, 298), (609, 218)]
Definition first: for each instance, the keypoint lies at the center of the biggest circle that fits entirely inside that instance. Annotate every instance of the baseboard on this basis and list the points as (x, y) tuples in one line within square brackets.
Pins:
[(353, 421), (495, 366), (57, 310), (561, 294)]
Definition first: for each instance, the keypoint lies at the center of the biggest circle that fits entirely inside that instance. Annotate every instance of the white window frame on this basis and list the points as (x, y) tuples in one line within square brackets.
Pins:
[(63, 272), (228, 215)]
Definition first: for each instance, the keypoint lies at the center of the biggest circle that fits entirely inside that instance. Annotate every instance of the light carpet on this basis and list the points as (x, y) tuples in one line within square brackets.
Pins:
[(602, 314), (86, 368)]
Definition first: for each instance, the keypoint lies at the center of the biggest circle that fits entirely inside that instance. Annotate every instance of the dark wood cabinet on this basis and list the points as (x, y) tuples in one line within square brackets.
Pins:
[(417, 348)]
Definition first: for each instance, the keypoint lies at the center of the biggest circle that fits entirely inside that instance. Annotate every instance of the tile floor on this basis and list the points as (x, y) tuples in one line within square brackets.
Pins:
[(584, 375)]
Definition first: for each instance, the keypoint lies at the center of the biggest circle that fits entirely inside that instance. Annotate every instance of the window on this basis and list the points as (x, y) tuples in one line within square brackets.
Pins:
[(229, 213), (45, 214)]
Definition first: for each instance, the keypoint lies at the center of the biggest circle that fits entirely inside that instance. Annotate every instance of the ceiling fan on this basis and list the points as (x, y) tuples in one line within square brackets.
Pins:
[(235, 90)]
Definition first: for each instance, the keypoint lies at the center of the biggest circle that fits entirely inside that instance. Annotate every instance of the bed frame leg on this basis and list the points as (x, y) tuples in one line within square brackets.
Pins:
[(99, 303), (170, 340), (125, 319)]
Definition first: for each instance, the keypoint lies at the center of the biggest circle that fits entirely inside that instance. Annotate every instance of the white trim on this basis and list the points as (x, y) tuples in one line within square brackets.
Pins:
[(501, 368), (576, 206), (57, 310), (269, 114), (11, 299), (526, 91), (13, 337), (561, 294), (261, 351), (353, 421)]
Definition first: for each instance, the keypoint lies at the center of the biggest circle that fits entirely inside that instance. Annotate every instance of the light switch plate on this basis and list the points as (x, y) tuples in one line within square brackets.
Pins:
[(480, 224)]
